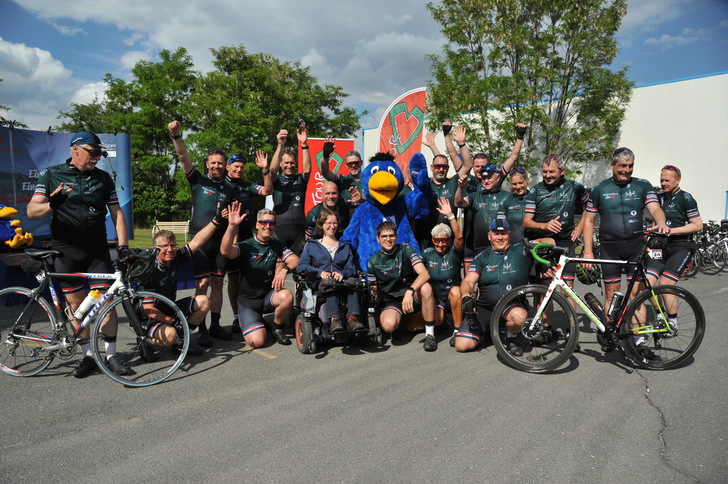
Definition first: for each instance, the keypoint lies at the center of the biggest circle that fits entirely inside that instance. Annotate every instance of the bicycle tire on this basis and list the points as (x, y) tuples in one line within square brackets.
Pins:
[(706, 264), (669, 351), (691, 270), (719, 255), (19, 355), (539, 355), (146, 368)]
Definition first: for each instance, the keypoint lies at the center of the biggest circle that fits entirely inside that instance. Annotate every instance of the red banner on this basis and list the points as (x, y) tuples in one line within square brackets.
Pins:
[(400, 131), (336, 165)]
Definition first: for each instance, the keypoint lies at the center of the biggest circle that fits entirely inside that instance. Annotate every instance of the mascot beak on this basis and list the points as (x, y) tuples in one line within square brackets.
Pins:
[(383, 187)]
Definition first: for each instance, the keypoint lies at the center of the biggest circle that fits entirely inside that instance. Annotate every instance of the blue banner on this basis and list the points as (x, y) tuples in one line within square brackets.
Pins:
[(24, 154)]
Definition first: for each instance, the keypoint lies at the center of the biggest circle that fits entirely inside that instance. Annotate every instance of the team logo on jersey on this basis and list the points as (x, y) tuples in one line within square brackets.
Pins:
[(207, 191), (609, 196), (491, 268), (633, 213)]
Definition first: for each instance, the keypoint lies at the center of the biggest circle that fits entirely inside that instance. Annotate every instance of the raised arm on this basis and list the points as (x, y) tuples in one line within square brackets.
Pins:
[(452, 152), (516, 151), (261, 160), (227, 246), (175, 131), (460, 200), (275, 163), (446, 211), (467, 163), (324, 167), (302, 133), (429, 141)]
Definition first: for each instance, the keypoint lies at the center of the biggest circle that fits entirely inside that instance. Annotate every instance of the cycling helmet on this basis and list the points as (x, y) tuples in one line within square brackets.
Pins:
[(141, 264), (590, 276)]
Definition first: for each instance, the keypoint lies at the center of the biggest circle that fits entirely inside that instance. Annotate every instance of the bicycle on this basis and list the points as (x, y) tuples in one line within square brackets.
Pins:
[(640, 330), (33, 332)]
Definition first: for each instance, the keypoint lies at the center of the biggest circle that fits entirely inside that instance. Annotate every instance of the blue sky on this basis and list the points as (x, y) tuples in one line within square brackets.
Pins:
[(56, 52)]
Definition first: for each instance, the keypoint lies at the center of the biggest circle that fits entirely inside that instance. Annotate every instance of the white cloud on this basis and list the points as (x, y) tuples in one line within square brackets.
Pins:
[(129, 59), (95, 91), (687, 36)]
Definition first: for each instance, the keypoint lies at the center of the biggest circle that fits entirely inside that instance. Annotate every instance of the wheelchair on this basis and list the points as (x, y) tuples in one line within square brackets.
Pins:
[(310, 310)]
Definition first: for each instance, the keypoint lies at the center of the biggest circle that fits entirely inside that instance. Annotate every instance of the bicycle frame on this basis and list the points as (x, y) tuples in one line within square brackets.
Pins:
[(559, 282)]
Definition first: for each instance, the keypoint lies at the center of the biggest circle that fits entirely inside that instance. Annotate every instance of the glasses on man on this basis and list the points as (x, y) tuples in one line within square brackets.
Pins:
[(270, 223), (439, 240), (388, 236), (167, 247), (353, 163), (94, 152), (440, 167)]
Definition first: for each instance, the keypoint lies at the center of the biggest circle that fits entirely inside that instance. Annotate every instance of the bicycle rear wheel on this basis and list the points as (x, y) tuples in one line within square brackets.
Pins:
[(541, 351), (645, 319), (147, 363), (25, 328), (706, 262), (719, 254)]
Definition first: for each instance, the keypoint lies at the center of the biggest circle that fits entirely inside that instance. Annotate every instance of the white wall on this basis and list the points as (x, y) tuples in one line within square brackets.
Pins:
[(681, 123)]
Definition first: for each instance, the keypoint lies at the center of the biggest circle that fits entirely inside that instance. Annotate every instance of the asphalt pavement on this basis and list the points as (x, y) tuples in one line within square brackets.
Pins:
[(367, 414)]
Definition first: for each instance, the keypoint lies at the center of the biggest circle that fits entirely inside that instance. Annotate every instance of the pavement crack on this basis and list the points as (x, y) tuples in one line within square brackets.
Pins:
[(663, 428)]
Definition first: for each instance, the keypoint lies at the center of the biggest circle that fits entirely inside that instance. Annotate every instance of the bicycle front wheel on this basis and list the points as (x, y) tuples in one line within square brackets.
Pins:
[(654, 340), (542, 350), (146, 363), (26, 329)]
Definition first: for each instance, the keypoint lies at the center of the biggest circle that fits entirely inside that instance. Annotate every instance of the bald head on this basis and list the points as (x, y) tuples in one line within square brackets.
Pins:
[(329, 194)]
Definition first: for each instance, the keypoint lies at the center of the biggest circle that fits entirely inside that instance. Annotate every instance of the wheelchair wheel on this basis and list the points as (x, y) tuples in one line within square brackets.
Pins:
[(305, 339)]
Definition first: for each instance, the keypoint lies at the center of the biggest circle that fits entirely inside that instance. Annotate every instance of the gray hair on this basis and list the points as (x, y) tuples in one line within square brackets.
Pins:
[(352, 153), (622, 154), (441, 229), (265, 211), (554, 158)]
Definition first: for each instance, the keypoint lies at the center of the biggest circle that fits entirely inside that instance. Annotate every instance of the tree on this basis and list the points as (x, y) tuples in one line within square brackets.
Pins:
[(545, 63), (239, 107), (7, 122)]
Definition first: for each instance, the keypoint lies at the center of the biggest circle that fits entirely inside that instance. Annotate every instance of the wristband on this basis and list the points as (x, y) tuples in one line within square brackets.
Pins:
[(451, 217), (264, 172), (462, 145), (176, 136), (287, 269), (410, 289), (304, 147)]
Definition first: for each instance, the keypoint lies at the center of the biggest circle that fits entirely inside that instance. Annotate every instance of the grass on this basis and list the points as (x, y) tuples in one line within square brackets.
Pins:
[(142, 239)]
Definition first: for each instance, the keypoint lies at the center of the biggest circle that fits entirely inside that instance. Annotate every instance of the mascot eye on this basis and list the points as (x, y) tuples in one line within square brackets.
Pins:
[(375, 169), (391, 170)]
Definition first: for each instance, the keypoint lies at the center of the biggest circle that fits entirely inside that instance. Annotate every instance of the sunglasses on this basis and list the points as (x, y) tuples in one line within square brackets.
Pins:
[(95, 152), (353, 163), (440, 241), (271, 223), (440, 167), (516, 170)]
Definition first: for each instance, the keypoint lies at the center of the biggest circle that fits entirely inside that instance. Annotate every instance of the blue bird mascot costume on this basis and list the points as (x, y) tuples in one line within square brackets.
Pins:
[(382, 181)]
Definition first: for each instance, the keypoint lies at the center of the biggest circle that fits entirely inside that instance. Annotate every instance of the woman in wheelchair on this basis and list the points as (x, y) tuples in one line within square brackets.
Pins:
[(332, 259)]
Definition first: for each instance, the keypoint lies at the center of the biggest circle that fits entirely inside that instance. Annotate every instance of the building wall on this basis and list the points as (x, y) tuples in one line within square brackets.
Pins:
[(682, 123)]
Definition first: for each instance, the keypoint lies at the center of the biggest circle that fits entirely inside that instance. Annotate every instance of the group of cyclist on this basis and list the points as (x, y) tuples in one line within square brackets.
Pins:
[(488, 250)]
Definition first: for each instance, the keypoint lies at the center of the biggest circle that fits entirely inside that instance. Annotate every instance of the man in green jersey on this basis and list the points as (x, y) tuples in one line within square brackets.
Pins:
[(264, 264), (551, 207), (398, 272), (620, 201), (494, 272), (333, 202), (76, 195), (444, 262)]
